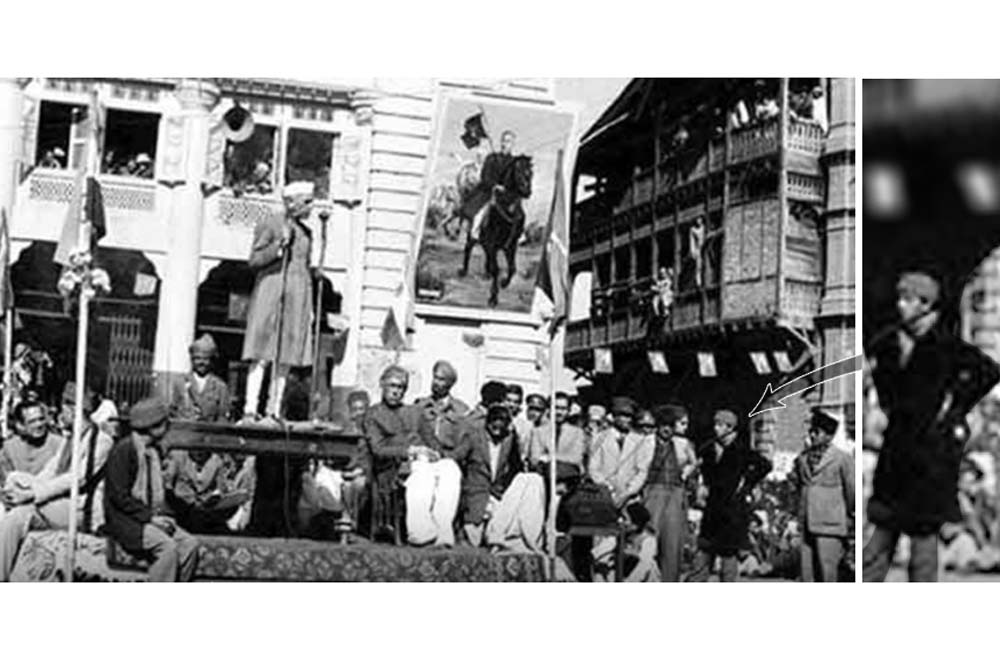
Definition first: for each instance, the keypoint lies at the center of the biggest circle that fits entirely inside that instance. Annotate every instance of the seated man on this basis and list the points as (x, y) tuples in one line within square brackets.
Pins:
[(501, 502), (444, 411), (134, 498), (401, 441), (38, 476), (196, 489)]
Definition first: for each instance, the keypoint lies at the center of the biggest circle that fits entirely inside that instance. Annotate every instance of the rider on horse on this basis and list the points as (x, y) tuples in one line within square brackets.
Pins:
[(494, 166)]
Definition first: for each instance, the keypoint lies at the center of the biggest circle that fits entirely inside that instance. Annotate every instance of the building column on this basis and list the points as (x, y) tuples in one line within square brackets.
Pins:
[(179, 287), (10, 142), (837, 308)]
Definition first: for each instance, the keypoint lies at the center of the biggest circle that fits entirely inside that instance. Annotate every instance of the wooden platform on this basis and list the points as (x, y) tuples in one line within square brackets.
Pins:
[(297, 439)]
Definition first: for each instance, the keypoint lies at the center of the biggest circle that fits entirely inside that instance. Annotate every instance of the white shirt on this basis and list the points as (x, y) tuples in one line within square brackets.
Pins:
[(199, 381), (494, 458)]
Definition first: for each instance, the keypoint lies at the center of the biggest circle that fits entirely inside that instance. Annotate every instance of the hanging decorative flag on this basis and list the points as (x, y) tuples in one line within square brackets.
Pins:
[(475, 131), (783, 362), (145, 285), (706, 365), (603, 361), (760, 363), (658, 362)]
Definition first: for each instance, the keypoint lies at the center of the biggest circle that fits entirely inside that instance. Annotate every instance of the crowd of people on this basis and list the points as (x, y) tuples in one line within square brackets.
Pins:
[(435, 473)]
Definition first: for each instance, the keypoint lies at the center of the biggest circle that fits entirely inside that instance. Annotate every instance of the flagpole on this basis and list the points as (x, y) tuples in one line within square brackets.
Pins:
[(81, 334), (553, 443), (8, 359)]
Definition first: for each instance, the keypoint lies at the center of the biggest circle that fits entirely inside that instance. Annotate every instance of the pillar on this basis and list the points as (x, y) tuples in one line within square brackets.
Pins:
[(836, 319), (179, 288), (10, 141)]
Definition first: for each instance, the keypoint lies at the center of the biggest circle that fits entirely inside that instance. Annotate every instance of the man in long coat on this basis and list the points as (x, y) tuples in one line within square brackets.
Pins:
[(280, 257), (927, 381), (494, 167), (731, 469)]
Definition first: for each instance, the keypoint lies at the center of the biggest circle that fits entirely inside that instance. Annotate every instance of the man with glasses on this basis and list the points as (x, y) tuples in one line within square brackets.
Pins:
[(824, 478)]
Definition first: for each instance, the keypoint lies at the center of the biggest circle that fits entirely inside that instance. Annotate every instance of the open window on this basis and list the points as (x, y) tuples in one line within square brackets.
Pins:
[(309, 156), (130, 143), (55, 129), (249, 165)]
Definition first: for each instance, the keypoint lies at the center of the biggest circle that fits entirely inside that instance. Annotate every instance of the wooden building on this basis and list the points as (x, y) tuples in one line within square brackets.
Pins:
[(744, 190)]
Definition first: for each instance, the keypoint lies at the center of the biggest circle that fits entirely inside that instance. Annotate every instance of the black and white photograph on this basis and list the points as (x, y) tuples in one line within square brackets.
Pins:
[(468, 330), (930, 264)]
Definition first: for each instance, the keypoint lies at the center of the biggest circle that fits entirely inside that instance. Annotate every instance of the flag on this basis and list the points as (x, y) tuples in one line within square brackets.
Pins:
[(89, 124), (783, 362), (398, 320), (706, 365), (603, 361), (658, 362), (551, 299), (6, 289), (761, 363), (475, 131)]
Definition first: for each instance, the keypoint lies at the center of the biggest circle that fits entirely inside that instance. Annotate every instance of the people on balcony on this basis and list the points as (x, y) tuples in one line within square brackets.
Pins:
[(54, 158)]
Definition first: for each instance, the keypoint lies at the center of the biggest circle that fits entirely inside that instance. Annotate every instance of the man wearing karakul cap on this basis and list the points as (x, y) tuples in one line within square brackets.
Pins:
[(823, 475), (134, 502), (927, 381), (730, 469), (280, 246), (621, 457)]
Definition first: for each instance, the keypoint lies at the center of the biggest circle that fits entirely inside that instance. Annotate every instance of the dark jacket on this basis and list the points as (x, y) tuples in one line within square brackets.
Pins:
[(124, 514), (915, 487), (477, 482), (390, 432), (726, 520)]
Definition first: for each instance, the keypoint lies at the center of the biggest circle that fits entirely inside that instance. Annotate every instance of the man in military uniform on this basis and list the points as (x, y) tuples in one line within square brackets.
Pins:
[(494, 167), (927, 381)]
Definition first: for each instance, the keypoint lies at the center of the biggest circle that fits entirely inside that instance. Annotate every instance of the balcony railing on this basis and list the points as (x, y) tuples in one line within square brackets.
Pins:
[(121, 193)]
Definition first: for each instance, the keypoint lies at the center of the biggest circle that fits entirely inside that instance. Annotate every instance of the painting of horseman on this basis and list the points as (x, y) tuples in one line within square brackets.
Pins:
[(490, 192)]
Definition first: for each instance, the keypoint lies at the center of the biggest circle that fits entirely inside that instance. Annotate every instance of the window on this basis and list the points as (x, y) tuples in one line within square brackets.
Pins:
[(130, 143), (623, 265), (644, 258), (309, 156), (55, 125), (249, 165)]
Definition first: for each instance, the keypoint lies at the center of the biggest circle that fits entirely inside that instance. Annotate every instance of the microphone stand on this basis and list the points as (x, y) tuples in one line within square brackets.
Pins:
[(324, 216)]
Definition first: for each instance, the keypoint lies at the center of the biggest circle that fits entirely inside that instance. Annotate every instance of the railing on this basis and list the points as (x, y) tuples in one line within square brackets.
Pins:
[(122, 193)]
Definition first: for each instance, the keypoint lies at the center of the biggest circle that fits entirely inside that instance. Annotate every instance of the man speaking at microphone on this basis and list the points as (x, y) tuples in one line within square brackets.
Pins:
[(280, 301), (927, 381)]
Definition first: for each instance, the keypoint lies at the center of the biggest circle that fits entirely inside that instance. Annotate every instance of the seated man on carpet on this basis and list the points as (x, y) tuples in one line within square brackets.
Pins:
[(403, 444), (501, 504), (37, 470), (134, 500)]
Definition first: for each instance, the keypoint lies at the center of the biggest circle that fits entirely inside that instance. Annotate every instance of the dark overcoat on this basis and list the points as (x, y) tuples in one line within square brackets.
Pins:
[(267, 260), (124, 514), (730, 478), (915, 487)]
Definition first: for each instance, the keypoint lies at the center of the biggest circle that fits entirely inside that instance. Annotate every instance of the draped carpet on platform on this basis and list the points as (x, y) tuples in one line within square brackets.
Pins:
[(43, 558)]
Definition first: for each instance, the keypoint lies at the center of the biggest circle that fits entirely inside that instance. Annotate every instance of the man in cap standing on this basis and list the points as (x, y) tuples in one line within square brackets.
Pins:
[(281, 300), (569, 440), (823, 475), (927, 381), (621, 457), (201, 395), (134, 502), (731, 469)]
